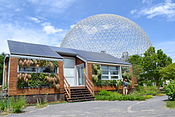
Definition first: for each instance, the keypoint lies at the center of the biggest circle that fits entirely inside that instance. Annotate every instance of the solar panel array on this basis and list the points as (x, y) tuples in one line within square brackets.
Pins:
[(90, 56), (27, 49)]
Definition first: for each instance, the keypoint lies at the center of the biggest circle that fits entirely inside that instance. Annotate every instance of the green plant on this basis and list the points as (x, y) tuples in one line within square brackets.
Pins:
[(107, 95), (96, 73), (13, 104), (170, 104), (18, 103), (147, 90), (170, 90), (148, 96), (38, 80), (147, 67)]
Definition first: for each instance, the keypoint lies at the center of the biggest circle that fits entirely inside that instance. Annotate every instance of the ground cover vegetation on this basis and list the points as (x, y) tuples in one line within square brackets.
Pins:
[(142, 93), (12, 104)]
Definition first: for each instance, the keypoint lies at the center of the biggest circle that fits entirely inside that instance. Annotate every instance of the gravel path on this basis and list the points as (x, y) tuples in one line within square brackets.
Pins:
[(154, 107)]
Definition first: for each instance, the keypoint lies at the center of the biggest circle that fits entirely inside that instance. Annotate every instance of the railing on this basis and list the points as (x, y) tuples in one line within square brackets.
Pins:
[(89, 84), (67, 88)]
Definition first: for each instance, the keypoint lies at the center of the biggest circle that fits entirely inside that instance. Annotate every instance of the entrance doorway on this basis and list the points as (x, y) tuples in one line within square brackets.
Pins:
[(80, 75)]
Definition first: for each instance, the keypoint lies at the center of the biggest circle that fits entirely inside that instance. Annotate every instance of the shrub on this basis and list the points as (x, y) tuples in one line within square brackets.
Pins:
[(18, 104), (148, 96), (12, 104), (170, 90), (147, 90), (107, 95)]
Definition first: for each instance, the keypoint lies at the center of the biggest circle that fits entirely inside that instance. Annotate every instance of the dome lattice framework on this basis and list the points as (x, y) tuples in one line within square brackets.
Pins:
[(107, 32)]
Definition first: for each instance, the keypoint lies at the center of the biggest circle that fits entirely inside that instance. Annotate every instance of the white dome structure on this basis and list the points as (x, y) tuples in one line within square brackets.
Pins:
[(107, 32)]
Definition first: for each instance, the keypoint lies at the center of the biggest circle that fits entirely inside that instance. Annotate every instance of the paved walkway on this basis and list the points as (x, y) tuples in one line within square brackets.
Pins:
[(154, 107)]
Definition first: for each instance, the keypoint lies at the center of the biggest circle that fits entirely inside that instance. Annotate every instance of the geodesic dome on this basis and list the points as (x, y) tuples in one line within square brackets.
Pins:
[(107, 32)]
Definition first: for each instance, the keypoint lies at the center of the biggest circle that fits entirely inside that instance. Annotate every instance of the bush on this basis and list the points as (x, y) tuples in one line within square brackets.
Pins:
[(18, 104), (13, 104), (170, 104), (147, 90), (170, 90), (111, 96)]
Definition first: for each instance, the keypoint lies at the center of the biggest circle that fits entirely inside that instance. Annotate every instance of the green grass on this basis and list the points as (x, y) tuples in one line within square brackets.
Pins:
[(170, 104)]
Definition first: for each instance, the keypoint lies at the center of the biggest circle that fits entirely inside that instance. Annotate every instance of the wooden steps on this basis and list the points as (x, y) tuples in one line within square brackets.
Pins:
[(79, 94)]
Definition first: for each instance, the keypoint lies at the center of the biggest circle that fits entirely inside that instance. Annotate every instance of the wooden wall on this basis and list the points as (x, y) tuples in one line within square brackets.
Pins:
[(110, 88), (13, 90)]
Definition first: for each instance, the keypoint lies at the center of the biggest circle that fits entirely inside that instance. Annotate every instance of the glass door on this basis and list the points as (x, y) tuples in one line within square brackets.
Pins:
[(69, 70), (80, 75)]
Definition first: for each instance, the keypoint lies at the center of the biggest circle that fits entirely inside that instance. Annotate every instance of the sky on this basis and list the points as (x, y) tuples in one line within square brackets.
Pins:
[(48, 21)]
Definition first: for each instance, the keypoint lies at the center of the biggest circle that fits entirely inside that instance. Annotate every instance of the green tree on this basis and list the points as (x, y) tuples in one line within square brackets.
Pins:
[(1, 66), (153, 61), (136, 62), (147, 67), (168, 72)]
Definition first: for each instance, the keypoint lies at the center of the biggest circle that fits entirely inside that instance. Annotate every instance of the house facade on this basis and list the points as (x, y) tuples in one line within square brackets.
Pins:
[(37, 70)]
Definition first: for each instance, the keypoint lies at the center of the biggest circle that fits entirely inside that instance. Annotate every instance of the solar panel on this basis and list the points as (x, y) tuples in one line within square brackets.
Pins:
[(91, 56), (21, 48)]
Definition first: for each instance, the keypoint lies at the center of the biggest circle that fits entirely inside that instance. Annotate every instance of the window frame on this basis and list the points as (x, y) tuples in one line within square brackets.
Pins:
[(37, 70), (109, 73)]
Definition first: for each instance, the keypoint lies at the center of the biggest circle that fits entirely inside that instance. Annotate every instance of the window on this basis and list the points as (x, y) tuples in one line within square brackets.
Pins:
[(110, 72), (33, 69), (27, 69)]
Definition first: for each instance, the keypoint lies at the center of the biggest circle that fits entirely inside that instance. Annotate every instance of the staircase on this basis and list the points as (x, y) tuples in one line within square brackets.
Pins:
[(79, 94)]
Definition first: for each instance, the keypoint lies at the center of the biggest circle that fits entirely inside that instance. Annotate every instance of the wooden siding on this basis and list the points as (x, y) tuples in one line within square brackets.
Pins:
[(110, 88), (13, 90)]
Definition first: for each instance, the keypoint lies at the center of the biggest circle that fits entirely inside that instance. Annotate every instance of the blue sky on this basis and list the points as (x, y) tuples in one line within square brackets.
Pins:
[(47, 21)]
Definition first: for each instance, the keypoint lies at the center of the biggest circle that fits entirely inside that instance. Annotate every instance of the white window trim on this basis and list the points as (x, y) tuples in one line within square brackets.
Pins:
[(109, 73), (37, 69)]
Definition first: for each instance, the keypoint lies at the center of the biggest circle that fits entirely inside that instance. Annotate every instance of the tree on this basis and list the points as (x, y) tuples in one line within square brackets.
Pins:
[(136, 61), (153, 61), (168, 72), (1, 66), (147, 67)]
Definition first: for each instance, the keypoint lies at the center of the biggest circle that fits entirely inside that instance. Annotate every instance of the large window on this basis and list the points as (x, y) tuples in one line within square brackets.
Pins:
[(33, 69), (110, 72)]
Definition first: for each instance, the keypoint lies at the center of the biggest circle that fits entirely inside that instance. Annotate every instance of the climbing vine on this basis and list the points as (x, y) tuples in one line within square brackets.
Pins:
[(96, 76), (37, 80)]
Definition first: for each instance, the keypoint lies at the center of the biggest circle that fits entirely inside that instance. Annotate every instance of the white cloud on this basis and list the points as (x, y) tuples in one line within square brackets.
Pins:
[(168, 47), (35, 19), (49, 29), (165, 9), (13, 32)]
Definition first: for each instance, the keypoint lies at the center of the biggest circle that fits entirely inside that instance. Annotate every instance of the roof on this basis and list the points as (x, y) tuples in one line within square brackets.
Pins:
[(28, 49), (90, 56), (38, 50)]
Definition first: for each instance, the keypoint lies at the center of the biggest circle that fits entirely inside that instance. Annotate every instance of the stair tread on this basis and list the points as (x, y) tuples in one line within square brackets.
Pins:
[(79, 95)]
